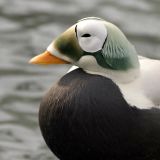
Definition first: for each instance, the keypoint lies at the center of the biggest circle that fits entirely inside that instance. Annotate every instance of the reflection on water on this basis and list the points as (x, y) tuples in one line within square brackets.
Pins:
[(27, 27)]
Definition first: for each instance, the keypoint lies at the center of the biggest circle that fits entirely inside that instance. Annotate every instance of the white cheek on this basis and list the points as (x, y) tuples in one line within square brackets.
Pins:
[(91, 44)]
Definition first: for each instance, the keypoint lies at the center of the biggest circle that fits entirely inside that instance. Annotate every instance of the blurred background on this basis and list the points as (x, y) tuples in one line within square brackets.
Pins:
[(26, 28)]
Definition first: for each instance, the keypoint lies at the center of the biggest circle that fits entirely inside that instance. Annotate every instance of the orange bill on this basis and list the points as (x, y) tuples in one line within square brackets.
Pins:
[(47, 58)]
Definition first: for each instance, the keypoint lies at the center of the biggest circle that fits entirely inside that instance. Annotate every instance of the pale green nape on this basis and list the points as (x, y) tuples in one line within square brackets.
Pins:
[(118, 52)]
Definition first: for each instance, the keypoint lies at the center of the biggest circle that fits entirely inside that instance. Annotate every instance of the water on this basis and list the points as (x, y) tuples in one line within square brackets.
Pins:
[(26, 29)]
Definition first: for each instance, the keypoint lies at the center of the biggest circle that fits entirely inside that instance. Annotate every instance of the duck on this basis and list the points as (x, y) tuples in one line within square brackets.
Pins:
[(105, 107)]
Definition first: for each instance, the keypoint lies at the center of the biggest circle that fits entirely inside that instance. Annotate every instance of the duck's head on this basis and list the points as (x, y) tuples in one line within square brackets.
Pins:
[(92, 44)]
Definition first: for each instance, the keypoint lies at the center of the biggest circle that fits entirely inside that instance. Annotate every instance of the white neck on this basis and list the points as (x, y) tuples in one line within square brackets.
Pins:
[(90, 65)]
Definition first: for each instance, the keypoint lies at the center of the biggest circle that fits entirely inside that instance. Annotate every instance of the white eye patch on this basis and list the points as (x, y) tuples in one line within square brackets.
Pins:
[(91, 35)]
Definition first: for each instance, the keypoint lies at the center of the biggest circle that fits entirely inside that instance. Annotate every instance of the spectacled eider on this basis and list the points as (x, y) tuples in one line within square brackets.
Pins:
[(101, 110)]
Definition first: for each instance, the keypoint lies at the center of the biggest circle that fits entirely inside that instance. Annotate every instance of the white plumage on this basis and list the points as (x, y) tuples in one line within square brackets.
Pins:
[(144, 91), (150, 78)]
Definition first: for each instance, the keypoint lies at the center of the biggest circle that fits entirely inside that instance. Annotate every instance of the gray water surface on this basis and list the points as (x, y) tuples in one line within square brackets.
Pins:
[(26, 29)]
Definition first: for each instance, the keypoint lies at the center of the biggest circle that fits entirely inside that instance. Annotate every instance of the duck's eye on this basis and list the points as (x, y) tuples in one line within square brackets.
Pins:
[(86, 35), (91, 35)]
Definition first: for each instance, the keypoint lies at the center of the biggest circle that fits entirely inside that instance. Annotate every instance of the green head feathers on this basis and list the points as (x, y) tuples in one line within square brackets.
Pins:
[(99, 39), (118, 52)]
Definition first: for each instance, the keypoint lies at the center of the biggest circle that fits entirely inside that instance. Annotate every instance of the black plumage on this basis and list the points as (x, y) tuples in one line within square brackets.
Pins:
[(85, 117)]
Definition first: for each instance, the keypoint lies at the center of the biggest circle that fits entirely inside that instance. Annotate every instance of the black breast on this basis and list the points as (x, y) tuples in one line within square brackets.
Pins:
[(84, 117)]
